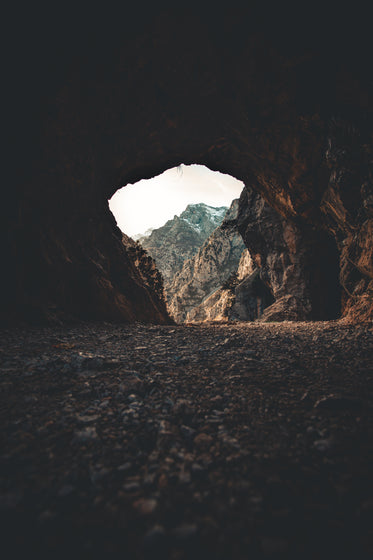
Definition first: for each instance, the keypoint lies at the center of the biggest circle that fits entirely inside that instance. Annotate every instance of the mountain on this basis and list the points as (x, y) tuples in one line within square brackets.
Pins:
[(207, 270), (180, 238), (243, 297), (146, 267)]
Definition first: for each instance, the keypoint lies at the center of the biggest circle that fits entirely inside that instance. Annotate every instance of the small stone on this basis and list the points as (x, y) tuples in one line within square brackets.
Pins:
[(149, 479), (85, 436), (197, 469), (87, 419), (104, 404), (99, 474), (323, 445), (145, 506), (162, 481), (203, 441), (131, 486), (187, 432), (305, 397), (184, 477), (124, 467), (182, 408)]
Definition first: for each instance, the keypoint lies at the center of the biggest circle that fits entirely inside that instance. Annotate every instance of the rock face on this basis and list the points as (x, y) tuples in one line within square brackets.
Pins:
[(348, 205), (252, 95), (291, 272), (180, 238), (207, 270), (295, 261), (243, 297), (144, 263)]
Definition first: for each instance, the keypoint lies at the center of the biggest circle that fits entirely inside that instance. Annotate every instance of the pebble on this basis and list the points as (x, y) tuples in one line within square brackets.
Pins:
[(131, 486), (85, 436), (323, 445), (187, 432), (203, 441), (145, 506)]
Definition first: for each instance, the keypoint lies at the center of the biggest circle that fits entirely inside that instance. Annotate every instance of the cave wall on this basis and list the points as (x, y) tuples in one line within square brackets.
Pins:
[(98, 101), (297, 262)]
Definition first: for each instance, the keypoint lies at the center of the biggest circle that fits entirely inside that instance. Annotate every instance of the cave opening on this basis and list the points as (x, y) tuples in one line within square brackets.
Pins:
[(214, 250), (185, 221)]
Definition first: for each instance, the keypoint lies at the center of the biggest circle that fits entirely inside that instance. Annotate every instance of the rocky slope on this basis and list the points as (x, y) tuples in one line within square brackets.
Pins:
[(207, 270), (181, 237), (242, 296)]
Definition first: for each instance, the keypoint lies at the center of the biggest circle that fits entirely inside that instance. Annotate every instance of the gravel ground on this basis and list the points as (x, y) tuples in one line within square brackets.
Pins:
[(226, 442)]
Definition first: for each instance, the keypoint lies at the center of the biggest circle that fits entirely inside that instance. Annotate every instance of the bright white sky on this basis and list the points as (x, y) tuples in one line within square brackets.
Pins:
[(151, 202)]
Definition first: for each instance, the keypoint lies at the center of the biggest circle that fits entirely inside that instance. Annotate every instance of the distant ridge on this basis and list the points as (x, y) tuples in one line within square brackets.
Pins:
[(181, 237)]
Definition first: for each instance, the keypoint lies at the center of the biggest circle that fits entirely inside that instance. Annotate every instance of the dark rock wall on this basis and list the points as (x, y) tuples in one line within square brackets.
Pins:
[(149, 273), (95, 101), (294, 259), (348, 206)]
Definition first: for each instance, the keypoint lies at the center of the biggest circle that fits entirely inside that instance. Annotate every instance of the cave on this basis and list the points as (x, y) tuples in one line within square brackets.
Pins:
[(104, 113), (125, 433)]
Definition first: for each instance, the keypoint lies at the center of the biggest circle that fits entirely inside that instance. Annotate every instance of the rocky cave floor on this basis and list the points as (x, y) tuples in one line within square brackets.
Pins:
[(217, 441)]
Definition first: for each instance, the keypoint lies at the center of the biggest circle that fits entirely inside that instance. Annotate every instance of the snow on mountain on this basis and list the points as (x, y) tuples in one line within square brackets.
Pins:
[(180, 238)]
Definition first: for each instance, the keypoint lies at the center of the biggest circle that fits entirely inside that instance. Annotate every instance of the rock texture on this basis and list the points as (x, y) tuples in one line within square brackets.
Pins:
[(180, 238), (146, 441), (348, 205), (291, 271), (207, 270), (253, 94), (144, 263), (243, 297), (296, 261)]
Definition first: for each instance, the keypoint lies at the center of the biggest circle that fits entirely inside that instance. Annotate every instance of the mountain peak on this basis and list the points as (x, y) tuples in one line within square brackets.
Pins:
[(181, 237), (201, 214)]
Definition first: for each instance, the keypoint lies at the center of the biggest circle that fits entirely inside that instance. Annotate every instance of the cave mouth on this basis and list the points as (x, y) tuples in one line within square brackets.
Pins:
[(176, 217), (149, 203), (181, 230)]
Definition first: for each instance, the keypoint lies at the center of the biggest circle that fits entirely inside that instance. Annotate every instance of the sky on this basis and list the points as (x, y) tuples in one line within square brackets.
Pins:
[(149, 203)]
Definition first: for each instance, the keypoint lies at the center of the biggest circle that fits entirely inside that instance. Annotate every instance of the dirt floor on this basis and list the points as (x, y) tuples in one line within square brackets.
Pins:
[(227, 442)]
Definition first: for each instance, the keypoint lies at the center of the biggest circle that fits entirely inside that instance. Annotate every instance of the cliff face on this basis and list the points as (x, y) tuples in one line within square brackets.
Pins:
[(100, 111), (294, 260), (224, 303), (180, 238), (290, 271), (150, 275), (207, 270), (348, 206)]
